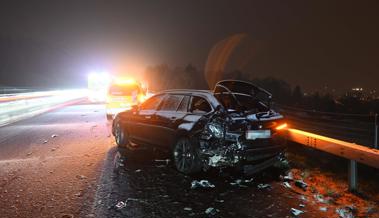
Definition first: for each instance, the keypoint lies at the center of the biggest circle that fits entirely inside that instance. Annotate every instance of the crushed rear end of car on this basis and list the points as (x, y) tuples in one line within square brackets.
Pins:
[(245, 132)]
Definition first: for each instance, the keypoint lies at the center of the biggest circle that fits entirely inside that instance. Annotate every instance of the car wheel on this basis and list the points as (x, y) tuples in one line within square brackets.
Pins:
[(186, 157), (121, 136)]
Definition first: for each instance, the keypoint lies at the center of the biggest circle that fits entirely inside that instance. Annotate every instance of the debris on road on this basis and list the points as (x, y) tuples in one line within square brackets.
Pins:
[(162, 161), (345, 212), (287, 185), (120, 205), (211, 211), (79, 194), (81, 177), (134, 199), (201, 184), (264, 186), (288, 177), (301, 184), (296, 212), (242, 182), (248, 180), (319, 198), (238, 182), (54, 136), (303, 198)]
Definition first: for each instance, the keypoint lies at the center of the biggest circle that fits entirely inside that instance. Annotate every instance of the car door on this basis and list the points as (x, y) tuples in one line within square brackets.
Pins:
[(143, 122), (168, 118)]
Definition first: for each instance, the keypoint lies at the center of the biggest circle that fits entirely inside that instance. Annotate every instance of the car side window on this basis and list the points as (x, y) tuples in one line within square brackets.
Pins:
[(199, 105), (152, 103), (171, 102), (183, 107)]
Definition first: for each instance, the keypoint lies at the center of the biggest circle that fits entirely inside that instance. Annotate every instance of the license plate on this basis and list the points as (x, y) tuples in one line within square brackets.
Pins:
[(258, 134)]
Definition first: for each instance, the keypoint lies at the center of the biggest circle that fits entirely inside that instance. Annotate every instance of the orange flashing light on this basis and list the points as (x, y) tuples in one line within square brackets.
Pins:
[(141, 98), (122, 81)]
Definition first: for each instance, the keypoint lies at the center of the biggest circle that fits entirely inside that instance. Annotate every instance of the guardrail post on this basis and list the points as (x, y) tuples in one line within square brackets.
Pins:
[(376, 132), (353, 175)]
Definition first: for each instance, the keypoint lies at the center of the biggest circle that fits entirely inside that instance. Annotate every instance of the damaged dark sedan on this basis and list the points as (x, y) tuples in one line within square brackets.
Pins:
[(231, 126)]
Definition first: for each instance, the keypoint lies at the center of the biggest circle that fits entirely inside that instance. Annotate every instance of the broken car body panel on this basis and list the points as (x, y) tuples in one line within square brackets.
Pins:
[(243, 130)]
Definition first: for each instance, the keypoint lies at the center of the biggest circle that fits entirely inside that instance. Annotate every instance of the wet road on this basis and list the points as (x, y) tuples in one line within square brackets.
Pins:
[(152, 188), (50, 164), (65, 164)]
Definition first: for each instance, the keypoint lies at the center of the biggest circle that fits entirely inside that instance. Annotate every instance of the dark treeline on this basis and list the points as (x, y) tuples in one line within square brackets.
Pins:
[(162, 77)]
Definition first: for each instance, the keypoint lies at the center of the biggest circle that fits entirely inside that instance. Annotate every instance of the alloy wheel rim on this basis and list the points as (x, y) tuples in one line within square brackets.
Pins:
[(184, 156)]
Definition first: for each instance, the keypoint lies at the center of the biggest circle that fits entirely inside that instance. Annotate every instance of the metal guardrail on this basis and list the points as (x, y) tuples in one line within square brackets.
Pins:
[(359, 153), (351, 151), (351, 136), (28, 95), (25, 105), (4, 90), (355, 128)]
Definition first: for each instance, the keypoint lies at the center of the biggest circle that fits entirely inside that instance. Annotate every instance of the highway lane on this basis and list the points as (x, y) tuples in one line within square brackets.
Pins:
[(49, 164), (64, 163)]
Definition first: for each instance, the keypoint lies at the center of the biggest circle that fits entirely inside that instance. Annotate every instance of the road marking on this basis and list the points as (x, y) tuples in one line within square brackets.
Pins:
[(39, 158)]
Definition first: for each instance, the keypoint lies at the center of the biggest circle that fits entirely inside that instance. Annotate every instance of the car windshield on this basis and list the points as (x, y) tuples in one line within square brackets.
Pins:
[(124, 90)]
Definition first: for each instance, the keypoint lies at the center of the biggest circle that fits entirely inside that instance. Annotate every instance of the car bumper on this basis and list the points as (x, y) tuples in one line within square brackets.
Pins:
[(244, 153), (261, 153)]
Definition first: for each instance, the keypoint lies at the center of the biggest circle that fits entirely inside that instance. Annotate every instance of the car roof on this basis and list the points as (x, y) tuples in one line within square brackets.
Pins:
[(208, 94), (187, 91)]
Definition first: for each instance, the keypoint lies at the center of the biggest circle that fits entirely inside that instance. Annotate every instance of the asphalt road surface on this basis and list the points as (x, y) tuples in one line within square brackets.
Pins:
[(64, 164), (49, 164)]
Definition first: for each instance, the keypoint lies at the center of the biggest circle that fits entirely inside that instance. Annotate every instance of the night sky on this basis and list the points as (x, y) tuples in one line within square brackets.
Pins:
[(313, 44)]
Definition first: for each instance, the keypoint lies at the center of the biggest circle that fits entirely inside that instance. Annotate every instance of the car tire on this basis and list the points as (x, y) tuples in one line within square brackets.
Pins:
[(121, 136), (186, 156)]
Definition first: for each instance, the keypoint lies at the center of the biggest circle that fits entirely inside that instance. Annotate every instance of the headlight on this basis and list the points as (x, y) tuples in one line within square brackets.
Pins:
[(216, 130)]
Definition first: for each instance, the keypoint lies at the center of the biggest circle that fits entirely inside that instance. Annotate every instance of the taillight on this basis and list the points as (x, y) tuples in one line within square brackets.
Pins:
[(281, 126)]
